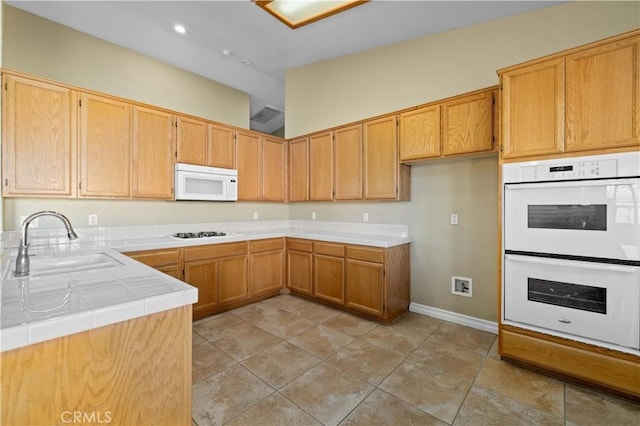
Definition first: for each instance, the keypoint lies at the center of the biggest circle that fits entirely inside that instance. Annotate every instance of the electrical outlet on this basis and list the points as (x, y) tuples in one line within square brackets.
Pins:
[(255, 216), (462, 286), (365, 217), (454, 219), (313, 216), (93, 219)]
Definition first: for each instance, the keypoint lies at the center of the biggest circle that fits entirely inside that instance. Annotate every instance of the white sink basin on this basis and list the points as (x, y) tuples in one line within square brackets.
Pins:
[(52, 265)]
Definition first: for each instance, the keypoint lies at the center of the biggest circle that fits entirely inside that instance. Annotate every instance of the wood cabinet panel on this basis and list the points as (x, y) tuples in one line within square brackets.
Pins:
[(105, 147), (191, 141), (267, 245), (267, 272), (330, 249), (299, 271), (365, 287), (369, 254), (328, 280), (299, 169), (321, 167), (221, 149), (203, 274), (214, 250), (249, 164), (603, 96), (533, 110), (299, 245), (467, 124), (274, 169), (348, 162), (156, 258), (128, 371), (153, 153), (420, 133), (380, 158), (39, 138), (232, 279)]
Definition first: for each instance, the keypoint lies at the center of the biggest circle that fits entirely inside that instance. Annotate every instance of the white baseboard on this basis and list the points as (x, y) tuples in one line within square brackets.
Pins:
[(477, 323)]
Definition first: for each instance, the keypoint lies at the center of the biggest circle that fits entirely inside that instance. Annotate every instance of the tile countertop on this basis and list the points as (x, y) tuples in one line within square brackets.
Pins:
[(74, 301)]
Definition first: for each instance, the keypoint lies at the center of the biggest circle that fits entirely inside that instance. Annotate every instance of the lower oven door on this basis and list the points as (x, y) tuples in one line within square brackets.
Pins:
[(596, 301)]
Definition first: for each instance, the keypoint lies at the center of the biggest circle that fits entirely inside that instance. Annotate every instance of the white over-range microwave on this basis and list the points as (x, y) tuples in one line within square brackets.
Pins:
[(194, 182)]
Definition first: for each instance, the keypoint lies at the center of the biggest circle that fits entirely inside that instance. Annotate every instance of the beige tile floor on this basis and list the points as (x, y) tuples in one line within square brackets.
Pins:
[(288, 361)]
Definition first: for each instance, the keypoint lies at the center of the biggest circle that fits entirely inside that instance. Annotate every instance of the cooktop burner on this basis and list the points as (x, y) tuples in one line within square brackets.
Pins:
[(201, 234)]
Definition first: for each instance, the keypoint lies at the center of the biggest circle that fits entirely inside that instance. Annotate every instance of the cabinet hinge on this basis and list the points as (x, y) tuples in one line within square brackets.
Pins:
[(5, 86), (80, 185), (6, 182), (500, 147), (500, 86)]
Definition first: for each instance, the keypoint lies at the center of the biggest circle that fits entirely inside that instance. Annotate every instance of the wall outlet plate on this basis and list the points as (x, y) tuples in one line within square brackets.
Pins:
[(93, 219)]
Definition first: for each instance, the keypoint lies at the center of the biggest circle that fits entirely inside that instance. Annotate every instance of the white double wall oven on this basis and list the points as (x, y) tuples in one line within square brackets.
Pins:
[(571, 248)]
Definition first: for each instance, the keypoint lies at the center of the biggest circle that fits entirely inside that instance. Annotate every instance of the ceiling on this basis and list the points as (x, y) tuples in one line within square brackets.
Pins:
[(251, 34)]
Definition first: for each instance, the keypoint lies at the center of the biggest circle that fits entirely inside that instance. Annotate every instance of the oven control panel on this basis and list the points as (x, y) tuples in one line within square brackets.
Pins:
[(570, 170)]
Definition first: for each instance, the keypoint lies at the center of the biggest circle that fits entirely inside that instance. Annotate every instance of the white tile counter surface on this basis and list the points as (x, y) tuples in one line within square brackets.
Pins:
[(39, 308)]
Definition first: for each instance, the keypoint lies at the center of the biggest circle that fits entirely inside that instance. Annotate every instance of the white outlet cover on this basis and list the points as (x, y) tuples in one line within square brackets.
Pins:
[(454, 219)]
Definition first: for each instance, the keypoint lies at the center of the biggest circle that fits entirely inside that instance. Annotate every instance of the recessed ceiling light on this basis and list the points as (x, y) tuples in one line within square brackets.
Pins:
[(246, 62), (180, 29), (226, 52)]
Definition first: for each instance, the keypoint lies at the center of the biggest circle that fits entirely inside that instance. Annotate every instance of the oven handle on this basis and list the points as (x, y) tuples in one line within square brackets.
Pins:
[(577, 264), (568, 184)]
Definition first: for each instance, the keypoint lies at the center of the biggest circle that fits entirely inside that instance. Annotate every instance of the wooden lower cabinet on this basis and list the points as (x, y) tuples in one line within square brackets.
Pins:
[(132, 372), (300, 266), (168, 260), (368, 280), (267, 267), (606, 368)]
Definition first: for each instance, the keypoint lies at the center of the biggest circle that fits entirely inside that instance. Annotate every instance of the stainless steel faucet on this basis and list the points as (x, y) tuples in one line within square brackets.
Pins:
[(22, 261)]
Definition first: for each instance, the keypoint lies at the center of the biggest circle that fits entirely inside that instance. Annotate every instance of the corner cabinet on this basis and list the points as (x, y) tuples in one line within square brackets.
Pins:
[(39, 138), (583, 100), (299, 169)]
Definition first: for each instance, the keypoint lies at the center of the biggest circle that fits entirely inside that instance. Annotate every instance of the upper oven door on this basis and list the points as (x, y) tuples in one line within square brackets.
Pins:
[(595, 218)]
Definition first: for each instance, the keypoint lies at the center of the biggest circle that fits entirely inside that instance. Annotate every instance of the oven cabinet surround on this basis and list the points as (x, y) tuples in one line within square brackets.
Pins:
[(368, 280), (459, 126), (579, 101), (124, 373)]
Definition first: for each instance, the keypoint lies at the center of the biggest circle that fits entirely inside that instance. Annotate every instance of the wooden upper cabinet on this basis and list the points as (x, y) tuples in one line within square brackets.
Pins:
[(348, 162), (467, 124), (221, 150), (533, 109), (321, 166), (153, 150), (39, 142), (274, 169), (191, 141), (249, 164), (603, 96), (105, 147), (299, 169), (420, 133), (380, 157)]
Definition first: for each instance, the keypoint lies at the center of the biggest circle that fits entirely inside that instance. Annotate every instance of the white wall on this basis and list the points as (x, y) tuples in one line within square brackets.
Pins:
[(378, 81)]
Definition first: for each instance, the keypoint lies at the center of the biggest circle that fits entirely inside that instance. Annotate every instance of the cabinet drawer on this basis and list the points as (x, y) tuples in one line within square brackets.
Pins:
[(329, 249), (267, 245), (155, 258), (366, 254), (300, 245), (214, 250)]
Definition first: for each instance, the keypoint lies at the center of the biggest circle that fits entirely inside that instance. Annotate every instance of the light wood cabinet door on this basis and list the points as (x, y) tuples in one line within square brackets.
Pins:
[(348, 163), (267, 272), (380, 158), (299, 169), (603, 96), (232, 279), (203, 274), (221, 149), (153, 153), (274, 169), (365, 287), (249, 164), (467, 124), (328, 278), (321, 167), (420, 133), (533, 109), (299, 267), (191, 141), (39, 142), (105, 147)]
